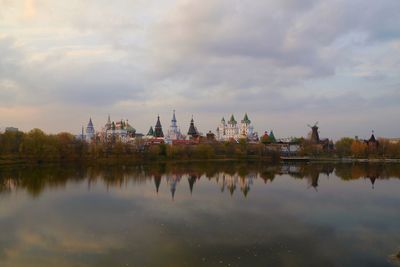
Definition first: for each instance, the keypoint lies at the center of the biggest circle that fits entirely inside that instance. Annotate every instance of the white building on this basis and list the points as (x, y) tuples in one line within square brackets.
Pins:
[(120, 131), (174, 132), (87, 134), (232, 130), (90, 132)]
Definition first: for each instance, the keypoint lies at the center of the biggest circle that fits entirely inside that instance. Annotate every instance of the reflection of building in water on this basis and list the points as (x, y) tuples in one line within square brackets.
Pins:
[(246, 182), (157, 181), (288, 169), (231, 181), (173, 180), (372, 179), (191, 180), (313, 179), (220, 178)]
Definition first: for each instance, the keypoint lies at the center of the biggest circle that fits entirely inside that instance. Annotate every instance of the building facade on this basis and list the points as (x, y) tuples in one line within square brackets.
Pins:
[(233, 130), (120, 131), (174, 132)]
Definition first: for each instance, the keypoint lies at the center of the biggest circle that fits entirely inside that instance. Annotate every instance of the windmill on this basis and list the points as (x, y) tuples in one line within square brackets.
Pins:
[(314, 133)]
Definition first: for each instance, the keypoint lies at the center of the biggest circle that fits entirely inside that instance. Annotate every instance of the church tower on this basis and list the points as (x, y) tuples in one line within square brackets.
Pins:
[(192, 129), (158, 132), (173, 132), (90, 132)]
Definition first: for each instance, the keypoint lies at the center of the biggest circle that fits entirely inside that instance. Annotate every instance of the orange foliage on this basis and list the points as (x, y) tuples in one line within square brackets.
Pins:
[(359, 149)]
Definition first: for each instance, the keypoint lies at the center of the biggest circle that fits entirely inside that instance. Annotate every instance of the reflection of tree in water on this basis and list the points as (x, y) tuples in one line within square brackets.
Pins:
[(372, 171), (35, 180), (227, 175)]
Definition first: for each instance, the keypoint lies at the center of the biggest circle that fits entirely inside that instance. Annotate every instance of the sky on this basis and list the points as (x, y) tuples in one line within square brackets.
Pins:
[(287, 63)]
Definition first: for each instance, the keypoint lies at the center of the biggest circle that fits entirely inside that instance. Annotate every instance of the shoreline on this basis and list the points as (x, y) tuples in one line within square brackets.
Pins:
[(106, 161)]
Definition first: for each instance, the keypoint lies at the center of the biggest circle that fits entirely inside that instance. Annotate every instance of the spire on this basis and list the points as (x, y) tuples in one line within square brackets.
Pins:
[(246, 119), (151, 131), (90, 128), (372, 138), (158, 132), (90, 124), (109, 120), (174, 127), (192, 130), (232, 120), (173, 117)]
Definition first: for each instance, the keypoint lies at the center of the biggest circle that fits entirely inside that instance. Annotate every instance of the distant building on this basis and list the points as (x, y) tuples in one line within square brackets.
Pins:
[(210, 136), (232, 130), (11, 129), (314, 138), (158, 132), (393, 140), (156, 135), (174, 132), (372, 143), (90, 132), (120, 131), (192, 132), (268, 138)]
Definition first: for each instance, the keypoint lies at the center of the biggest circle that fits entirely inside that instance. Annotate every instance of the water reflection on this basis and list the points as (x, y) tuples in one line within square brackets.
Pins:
[(202, 214), (229, 177)]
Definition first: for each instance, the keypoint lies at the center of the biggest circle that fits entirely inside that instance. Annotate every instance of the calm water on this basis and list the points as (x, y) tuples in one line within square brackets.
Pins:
[(200, 215)]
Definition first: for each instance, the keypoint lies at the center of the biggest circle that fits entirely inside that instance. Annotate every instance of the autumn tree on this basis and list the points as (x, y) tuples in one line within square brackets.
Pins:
[(359, 149)]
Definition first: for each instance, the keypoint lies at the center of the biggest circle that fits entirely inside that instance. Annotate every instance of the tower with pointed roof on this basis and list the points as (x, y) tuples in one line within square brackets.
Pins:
[(192, 129), (246, 129), (108, 124), (272, 138), (150, 132), (158, 132), (372, 142), (90, 132), (174, 133)]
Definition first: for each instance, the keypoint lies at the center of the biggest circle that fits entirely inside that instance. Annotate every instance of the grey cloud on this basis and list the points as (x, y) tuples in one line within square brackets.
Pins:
[(211, 57), (282, 35)]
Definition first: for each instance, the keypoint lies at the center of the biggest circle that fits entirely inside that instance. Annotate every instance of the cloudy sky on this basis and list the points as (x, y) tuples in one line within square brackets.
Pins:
[(285, 62)]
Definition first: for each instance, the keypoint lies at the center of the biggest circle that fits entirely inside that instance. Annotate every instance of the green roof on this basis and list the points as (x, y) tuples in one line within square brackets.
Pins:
[(246, 119), (129, 128), (272, 137), (232, 120), (151, 131)]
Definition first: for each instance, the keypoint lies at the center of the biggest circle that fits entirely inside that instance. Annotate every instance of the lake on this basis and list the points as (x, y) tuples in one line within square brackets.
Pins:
[(200, 214)]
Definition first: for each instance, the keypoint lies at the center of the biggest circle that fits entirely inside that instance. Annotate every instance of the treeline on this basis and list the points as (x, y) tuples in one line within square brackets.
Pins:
[(37, 146), (352, 148), (349, 147)]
